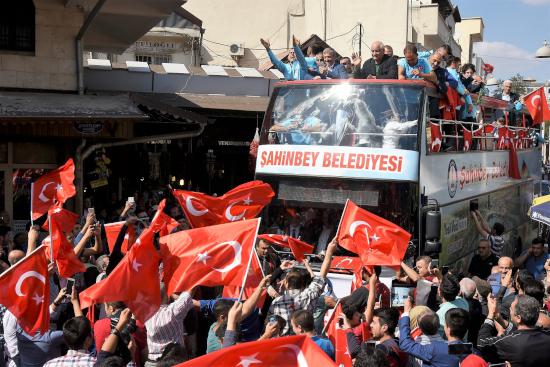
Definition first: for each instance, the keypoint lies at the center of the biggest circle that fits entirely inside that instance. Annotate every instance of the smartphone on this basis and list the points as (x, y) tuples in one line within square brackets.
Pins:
[(444, 270), (69, 286), (399, 294), (91, 210), (131, 199), (272, 320), (460, 348), (434, 264), (474, 205)]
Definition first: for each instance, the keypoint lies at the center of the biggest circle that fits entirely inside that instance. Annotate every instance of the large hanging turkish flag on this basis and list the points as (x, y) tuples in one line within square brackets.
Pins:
[(67, 262), (288, 351), (135, 281), (538, 106), (210, 256), (54, 187), (25, 291), (376, 240), (245, 201), (299, 248)]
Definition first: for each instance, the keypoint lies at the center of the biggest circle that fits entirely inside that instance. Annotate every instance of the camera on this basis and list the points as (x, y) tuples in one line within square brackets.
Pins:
[(127, 331)]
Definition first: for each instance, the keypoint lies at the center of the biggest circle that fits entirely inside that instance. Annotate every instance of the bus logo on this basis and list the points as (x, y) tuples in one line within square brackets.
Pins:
[(452, 178)]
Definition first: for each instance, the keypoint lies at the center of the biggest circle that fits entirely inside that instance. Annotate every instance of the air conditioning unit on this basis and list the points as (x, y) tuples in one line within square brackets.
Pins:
[(236, 49)]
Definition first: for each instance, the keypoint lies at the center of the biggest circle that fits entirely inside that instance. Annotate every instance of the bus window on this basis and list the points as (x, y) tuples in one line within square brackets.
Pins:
[(366, 115)]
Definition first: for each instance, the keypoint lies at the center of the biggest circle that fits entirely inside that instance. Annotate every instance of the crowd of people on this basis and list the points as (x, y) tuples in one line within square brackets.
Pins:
[(495, 311), (454, 82)]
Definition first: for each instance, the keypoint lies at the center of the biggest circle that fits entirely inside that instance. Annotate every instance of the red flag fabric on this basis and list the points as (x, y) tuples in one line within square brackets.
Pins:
[(467, 134), (288, 351), (162, 222), (338, 338), (66, 219), (538, 106), (513, 166), (67, 262), (298, 247), (245, 201), (522, 139), (134, 281), (209, 256), (376, 240), (346, 262), (25, 291), (252, 281), (111, 232), (503, 139), (54, 187), (437, 138)]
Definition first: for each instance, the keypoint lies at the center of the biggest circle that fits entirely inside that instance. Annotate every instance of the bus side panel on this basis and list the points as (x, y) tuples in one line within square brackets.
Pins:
[(508, 206)]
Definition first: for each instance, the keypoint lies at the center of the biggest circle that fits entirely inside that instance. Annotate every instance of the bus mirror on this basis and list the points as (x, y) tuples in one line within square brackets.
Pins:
[(432, 247), (433, 223)]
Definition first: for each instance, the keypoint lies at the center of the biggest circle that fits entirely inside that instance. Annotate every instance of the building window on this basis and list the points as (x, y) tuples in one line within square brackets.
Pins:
[(17, 26), (154, 59)]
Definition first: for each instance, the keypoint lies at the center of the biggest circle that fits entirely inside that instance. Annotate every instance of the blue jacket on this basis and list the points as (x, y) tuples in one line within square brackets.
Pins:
[(293, 70), (436, 353)]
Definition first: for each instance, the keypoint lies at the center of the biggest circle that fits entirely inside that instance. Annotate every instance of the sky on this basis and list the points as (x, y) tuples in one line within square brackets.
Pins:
[(514, 30)]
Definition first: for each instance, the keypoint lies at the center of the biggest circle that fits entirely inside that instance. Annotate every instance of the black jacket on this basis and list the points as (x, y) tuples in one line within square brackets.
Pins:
[(522, 348), (513, 97), (388, 69)]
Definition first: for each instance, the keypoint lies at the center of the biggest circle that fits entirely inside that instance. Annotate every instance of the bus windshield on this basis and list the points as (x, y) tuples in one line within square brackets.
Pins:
[(345, 114)]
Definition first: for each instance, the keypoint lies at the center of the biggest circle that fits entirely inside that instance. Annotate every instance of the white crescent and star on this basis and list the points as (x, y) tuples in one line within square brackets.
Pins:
[(236, 259), (341, 263), (136, 266), (246, 361), (203, 257), (191, 209), (30, 274), (301, 359), (357, 223), (538, 107), (230, 217), (43, 197)]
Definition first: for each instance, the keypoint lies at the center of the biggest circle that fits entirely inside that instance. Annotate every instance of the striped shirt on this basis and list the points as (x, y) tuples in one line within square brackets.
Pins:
[(497, 244), (166, 325), (74, 358)]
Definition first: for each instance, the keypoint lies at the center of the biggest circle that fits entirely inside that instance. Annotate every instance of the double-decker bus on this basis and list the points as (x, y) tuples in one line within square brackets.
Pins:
[(373, 141)]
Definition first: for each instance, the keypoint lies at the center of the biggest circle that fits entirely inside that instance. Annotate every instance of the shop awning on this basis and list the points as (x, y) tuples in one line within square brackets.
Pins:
[(154, 105), (120, 23), (210, 101), (540, 210), (14, 105)]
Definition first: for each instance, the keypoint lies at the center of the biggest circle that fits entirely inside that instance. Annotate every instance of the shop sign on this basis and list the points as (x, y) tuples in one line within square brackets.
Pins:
[(88, 128), (340, 161)]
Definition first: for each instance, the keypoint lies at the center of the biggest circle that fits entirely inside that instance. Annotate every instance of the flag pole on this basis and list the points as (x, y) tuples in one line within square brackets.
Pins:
[(342, 217), (331, 316), (250, 260), (32, 195), (51, 237)]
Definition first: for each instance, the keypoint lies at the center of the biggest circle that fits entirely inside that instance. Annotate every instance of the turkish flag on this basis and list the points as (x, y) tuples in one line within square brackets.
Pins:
[(252, 281), (298, 247), (209, 256), (111, 232), (25, 291), (65, 218), (135, 281), (467, 134), (68, 263), (437, 138), (338, 338), (538, 106), (376, 240), (288, 351), (353, 264), (245, 201), (54, 187), (162, 222)]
